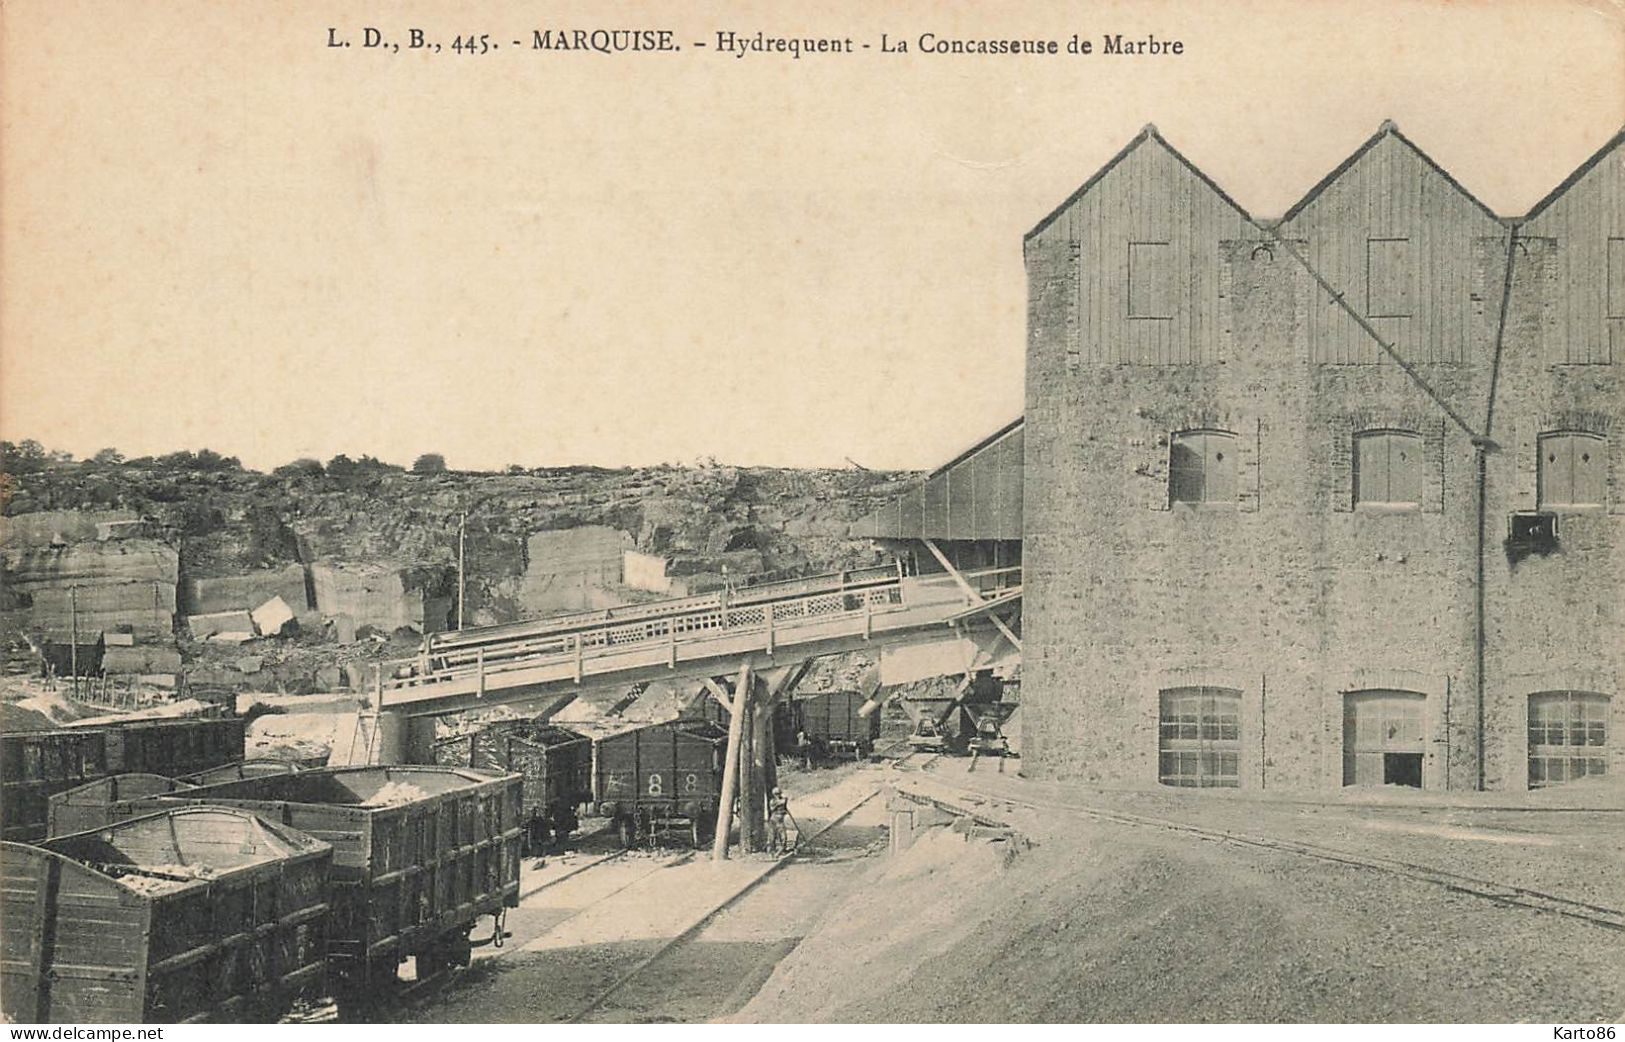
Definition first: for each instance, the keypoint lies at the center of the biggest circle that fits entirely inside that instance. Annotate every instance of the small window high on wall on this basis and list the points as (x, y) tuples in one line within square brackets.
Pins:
[(1388, 469), (1572, 468), (1199, 737), (1390, 272), (1202, 467), (1150, 280), (1568, 736)]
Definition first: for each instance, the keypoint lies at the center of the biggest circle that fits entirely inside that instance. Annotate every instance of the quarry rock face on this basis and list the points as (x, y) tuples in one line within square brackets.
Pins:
[(205, 594), (94, 585)]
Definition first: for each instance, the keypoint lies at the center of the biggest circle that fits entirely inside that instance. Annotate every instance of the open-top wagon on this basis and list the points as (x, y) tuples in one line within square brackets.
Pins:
[(191, 914), (660, 777), (419, 853), (555, 763)]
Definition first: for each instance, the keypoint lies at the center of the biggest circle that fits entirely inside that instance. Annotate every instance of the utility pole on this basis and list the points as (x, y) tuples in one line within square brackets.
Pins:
[(462, 531), (73, 635)]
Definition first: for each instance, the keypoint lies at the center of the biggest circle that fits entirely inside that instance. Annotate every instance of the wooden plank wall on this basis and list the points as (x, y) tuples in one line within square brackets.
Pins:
[(1583, 221), (1393, 193), (1150, 197), (977, 498)]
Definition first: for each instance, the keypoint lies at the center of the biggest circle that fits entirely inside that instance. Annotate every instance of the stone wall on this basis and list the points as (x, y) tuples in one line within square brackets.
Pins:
[(1288, 592)]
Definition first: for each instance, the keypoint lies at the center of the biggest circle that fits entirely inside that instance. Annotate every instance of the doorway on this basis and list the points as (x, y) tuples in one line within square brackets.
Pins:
[(1382, 738), (1402, 769)]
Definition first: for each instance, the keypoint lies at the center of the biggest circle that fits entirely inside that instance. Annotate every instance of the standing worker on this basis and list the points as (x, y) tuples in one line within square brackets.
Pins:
[(804, 749), (777, 808)]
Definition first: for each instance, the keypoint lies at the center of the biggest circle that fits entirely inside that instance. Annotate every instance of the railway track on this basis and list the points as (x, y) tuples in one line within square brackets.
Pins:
[(1498, 893), (673, 947)]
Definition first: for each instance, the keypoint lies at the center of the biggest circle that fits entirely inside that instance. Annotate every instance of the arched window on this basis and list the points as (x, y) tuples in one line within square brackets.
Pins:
[(1202, 467), (1388, 468), (1572, 467), (1199, 737), (1568, 736)]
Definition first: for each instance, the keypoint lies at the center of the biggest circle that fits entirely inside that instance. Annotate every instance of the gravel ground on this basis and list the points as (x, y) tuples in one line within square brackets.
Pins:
[(1103, 922), (1571, 843)]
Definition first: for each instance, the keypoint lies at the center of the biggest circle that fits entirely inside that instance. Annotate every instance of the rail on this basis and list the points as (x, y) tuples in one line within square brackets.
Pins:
[(774, 613)]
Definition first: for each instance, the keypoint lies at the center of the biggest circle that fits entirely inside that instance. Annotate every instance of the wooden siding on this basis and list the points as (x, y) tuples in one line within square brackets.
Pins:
[(1392, 192), (1587, 220), (976, 497), (1150, 195)]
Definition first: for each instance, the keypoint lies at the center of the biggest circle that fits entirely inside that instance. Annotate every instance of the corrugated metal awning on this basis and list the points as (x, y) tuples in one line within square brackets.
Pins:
[(977, 495)]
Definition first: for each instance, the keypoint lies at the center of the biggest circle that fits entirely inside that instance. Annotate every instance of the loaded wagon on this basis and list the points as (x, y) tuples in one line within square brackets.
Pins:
[(36, 765), (174, 748), (556, 764), (659, 777), (418, 854), (836, 726), (193, 914), (117, 797), (254, 768)]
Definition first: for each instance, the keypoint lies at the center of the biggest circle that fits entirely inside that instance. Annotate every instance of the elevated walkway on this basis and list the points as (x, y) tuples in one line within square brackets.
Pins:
[(772, 625)]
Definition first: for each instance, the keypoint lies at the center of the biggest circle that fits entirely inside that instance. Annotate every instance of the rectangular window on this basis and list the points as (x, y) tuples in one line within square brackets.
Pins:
[(1388, 469), (1616, 278), (1202, 467), (1199, 737), (1571, 469), (1150, 280), (1568, 736), (1389, 276)]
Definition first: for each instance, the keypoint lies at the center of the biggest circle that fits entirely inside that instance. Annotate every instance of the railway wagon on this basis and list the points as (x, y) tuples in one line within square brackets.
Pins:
[(192, 914), (835, 725), (174, 747), (117, 797), (419, 853), (253, 768), (36, 765), (555, 763), (659, 777)]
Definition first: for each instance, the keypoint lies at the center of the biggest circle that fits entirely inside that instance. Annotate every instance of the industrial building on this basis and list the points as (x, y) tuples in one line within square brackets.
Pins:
[(1334, 499)]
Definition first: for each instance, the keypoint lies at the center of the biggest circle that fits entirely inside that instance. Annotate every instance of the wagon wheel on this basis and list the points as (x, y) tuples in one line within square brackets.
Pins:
[(457, 949), (694, 832), (431, 960)]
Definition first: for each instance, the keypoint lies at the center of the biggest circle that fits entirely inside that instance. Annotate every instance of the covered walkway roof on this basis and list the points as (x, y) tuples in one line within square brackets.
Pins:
[(976, 495)]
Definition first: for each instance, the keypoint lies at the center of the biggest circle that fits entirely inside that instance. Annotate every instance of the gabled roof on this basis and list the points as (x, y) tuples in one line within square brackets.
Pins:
[(1147, 133), (1388, 129), (1574, 178)]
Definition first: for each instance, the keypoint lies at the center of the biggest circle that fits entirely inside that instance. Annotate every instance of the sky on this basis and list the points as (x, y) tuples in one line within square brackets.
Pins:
[(217, 231)]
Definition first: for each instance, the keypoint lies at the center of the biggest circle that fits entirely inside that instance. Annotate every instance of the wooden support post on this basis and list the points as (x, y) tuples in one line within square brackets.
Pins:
[(730, 764), (578, 657), (671, 644), (719, 694), (750, 791), (942, 559), (767, 613), (761, 749), (1009, 634), (479, 669)]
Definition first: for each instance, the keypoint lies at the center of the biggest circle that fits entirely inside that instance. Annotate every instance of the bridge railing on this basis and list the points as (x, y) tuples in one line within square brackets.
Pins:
[(767, 610), (857, 598), (441, 645)]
